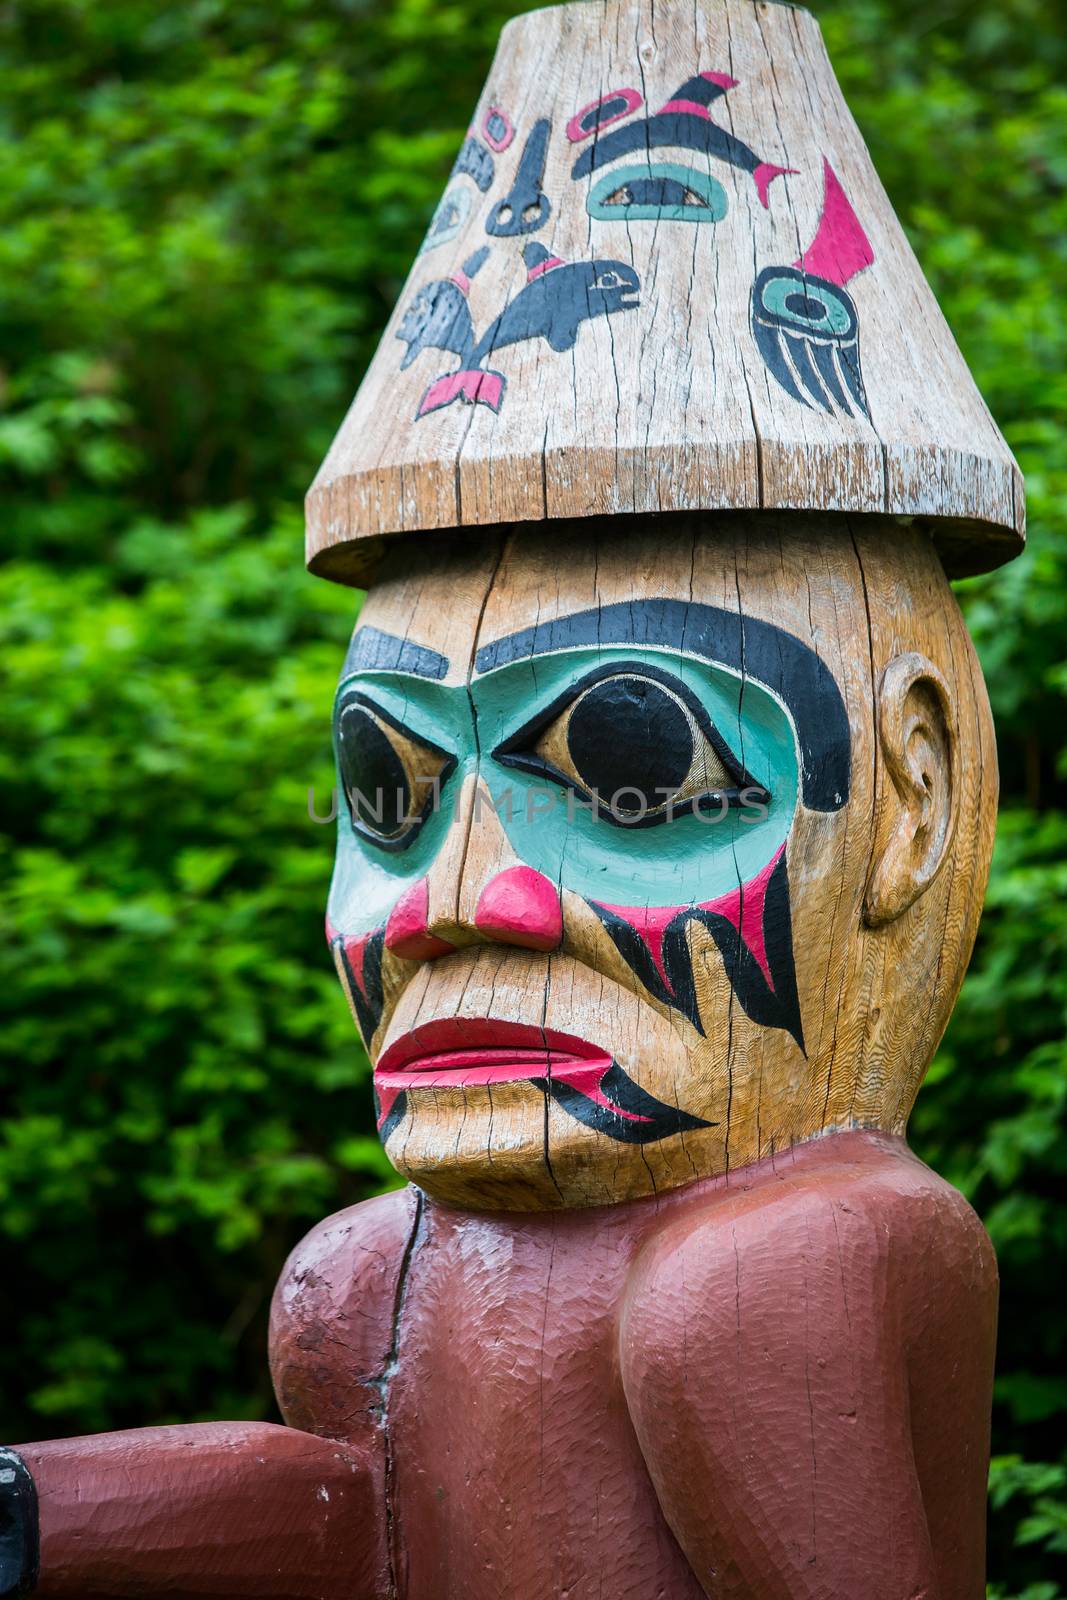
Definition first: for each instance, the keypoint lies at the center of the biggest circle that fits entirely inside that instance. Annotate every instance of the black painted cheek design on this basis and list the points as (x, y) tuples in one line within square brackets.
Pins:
[(363, 986), (623, 1111), (771, 1005), (388, 1124)]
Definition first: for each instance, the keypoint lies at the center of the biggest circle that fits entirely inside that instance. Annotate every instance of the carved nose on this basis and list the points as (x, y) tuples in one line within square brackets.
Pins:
[(407, 932), (522, 907)]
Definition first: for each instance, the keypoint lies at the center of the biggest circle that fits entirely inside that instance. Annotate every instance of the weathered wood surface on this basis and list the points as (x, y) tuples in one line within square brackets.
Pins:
[(880, 849), (668, 326), (668, 1309), (234, 1510), (774, 1385)]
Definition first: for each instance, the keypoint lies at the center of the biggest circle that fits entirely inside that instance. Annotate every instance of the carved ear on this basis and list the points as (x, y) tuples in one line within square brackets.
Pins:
[(917, 736)]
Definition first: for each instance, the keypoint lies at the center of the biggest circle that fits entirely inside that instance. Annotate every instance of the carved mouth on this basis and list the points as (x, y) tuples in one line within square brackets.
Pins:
[(459, 1052), (582, 1078)]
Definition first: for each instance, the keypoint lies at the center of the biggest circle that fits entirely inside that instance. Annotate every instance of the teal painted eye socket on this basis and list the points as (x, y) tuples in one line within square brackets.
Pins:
[(637, 745), (390, 777), (429, 731), (699, 852), (659, 192), (607, 718)]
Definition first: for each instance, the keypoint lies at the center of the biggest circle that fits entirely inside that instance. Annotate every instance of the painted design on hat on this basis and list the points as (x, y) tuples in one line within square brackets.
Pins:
[(498, 130), (453, 209), (663, 191), (804, 321), (683, 122), (600, 114), (526, 207), (557, 298)]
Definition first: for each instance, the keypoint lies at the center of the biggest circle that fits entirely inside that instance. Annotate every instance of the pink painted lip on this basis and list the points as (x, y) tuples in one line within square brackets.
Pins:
[(461, 1051)]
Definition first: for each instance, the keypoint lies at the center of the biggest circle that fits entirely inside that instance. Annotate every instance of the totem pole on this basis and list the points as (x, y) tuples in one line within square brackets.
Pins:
[(668, 798)]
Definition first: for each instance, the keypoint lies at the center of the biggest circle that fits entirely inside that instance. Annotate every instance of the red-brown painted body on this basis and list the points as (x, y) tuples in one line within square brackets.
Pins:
[(226, 1509), (774, 1385)]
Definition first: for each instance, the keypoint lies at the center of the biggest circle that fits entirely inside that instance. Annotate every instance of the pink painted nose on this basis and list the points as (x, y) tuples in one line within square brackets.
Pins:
[(520, 906), (406, 932)]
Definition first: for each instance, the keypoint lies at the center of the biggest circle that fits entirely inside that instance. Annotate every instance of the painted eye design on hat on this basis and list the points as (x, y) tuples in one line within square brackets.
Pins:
[(807, 332), (661, 191), (599, 114), (391, 777), (638, 745), (498, 130)]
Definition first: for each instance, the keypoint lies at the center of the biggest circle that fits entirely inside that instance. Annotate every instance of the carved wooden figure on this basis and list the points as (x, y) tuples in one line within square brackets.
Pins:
[(668, 787)]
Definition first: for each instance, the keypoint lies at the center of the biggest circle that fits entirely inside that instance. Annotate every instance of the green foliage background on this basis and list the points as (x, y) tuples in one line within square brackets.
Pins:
[(206, 212)]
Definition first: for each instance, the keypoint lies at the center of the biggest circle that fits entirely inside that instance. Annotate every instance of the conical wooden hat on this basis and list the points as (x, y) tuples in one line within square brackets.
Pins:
[(664, 276)]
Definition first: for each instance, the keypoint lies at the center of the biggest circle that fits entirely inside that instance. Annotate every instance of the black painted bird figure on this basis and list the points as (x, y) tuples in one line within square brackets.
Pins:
[(556, 299)]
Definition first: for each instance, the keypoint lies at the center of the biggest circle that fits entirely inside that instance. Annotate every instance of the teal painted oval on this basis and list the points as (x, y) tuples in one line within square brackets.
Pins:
[(664, 178), (836, 317)]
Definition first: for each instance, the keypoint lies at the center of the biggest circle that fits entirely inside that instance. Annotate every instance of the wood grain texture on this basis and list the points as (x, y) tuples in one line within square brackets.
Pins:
[(746, 1076), (228, 1509), (775, 1383), (611, 361)]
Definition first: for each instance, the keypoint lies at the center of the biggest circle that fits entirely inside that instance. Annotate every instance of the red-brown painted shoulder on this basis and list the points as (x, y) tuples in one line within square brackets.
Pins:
[(332, 1327), (807, 1356)]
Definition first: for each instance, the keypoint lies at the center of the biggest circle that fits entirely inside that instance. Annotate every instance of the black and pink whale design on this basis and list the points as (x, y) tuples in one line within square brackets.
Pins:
[(557, 297), (684, 122)]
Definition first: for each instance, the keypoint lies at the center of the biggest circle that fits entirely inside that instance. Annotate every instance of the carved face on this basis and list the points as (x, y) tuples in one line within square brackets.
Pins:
[(606, 823)]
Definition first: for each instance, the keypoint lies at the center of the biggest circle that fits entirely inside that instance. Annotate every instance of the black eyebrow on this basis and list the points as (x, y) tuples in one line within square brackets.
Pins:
[(371, 648), (757, 649)]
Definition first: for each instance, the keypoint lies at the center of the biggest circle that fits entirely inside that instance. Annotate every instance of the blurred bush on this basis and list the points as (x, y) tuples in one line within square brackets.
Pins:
[(207, 211)]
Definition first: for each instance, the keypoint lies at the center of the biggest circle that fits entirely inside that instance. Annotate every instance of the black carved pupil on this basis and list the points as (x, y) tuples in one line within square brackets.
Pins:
[(373, 775), (804, 307), (628, 734)]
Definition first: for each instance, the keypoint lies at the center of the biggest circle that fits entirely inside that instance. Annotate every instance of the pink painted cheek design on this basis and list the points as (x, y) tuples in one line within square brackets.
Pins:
[(520, 907), (751, 927), (742, 908)]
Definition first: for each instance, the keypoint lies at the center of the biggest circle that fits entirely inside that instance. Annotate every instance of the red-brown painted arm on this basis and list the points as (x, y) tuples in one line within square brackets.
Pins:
[(769, 1352), (224, 1509)]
